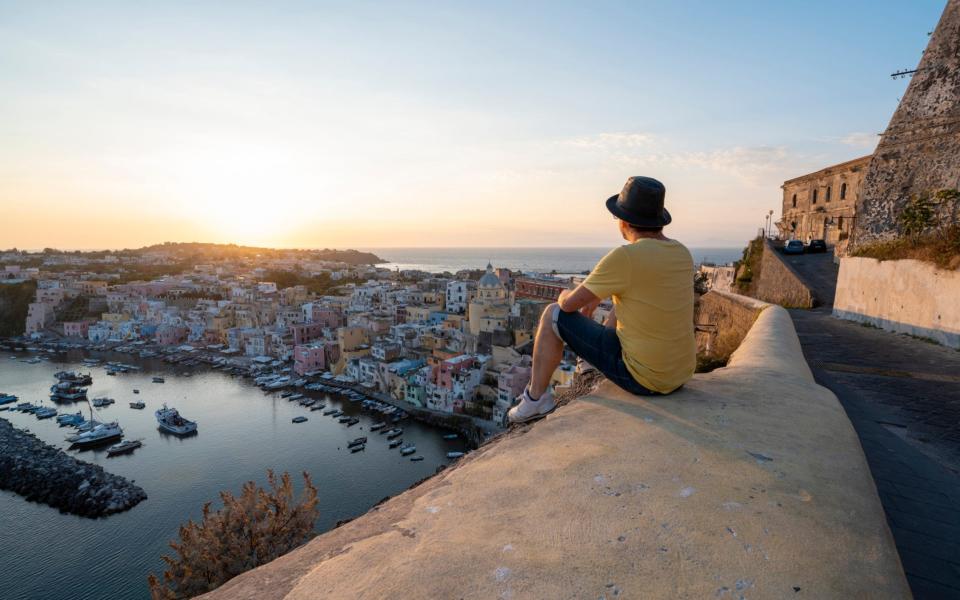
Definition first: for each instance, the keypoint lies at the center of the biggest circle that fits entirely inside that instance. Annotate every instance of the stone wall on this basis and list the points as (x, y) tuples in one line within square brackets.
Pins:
[(907, 296), (723, 320), (748, 482), (920, 150), (778, 283)]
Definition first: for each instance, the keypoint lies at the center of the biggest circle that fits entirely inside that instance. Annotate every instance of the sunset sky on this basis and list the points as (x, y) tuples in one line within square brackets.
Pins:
[(353, 124)]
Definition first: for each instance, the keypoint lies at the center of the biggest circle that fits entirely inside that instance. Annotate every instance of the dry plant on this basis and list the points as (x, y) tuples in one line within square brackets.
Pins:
[(251, 529)]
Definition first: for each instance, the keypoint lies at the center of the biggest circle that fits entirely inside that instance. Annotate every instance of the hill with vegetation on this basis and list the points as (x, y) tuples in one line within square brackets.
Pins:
[(15, 298)]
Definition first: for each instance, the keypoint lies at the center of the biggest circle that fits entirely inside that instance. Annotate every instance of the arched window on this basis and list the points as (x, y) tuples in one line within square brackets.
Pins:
[(794, 200), (843, 191), (827, 197), (815, 195)]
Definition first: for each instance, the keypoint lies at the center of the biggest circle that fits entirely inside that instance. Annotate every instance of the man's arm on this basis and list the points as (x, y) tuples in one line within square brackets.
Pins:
[(580, 299)]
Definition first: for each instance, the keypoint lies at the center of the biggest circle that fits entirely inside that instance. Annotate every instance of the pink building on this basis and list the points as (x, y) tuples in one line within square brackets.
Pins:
[(510, 383), (306, 332), (309, 357), (76, 328), (171, 335), (450, 367)]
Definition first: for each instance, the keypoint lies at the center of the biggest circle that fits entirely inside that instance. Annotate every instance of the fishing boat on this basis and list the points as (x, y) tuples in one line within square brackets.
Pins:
[(295, 397), (45, 412), (124, 447), (67, 391), (139, 405), (68, 419), (74, 378), (357, 442), (101, 402), (395, 432), (330, 411), (28, 407), (454, 454), (7, 398), (101, 434), (300, 419), (407, 450), (377, 426), (286, 394), (352, 421), (417, 458), (170, 421), (358, 448), (395, 443), (318, 406), (158, 380)]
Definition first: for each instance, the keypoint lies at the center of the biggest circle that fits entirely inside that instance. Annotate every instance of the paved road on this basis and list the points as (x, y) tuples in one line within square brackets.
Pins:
[(903, 397)]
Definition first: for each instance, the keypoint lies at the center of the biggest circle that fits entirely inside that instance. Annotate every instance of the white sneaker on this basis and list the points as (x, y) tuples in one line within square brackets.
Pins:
[(529, 409)]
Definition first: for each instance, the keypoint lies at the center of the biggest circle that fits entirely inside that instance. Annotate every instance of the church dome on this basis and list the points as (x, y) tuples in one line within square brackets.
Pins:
[(489, 279)]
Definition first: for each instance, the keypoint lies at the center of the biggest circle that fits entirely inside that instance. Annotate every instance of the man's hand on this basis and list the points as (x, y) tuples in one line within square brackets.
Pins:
[(579, 299)]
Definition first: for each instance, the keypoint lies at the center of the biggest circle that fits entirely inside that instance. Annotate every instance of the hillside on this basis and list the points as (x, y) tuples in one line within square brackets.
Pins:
[(14, 300)]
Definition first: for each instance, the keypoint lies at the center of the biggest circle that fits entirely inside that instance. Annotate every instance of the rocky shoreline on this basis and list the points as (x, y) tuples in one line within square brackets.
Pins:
[(45, 474)]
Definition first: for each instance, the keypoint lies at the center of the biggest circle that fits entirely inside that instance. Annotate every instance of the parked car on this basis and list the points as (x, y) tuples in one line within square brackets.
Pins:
[(793, 247), (816, 246)]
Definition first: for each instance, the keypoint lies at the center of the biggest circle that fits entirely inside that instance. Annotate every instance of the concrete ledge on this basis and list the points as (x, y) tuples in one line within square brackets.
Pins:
[(905, 296), (749, 482)]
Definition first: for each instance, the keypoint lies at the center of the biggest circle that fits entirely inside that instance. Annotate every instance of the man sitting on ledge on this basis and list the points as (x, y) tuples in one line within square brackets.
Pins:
[(646, 346)]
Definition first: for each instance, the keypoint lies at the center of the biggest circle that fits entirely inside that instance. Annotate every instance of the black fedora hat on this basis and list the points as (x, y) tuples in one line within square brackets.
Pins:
[(640, 203)]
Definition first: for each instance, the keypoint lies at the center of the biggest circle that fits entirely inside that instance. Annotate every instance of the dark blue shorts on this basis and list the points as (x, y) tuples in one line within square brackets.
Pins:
[(599, 346)]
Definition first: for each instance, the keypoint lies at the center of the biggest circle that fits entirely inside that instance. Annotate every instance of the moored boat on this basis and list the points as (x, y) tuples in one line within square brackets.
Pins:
[(357, 442), (124, 447), (395, 443), (454, 454), (395, 432), (417, 458), (358, 448), (300, 419), (158, 379), (99, 435), (408, 450), (170, 421), (139, 404)]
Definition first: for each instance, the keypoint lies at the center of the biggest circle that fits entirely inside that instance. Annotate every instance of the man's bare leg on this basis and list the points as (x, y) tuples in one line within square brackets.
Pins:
[(547, 353)]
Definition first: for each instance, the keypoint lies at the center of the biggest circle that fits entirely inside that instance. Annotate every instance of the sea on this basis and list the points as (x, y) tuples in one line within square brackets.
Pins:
[(540, 260), (242, 432)]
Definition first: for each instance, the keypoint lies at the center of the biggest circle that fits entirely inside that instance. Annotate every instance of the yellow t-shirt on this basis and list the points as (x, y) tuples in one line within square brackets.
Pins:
[(651, 282)]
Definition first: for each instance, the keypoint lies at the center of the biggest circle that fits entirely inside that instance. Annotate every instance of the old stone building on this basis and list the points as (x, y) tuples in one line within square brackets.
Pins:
[(919, 153), (822, 205)]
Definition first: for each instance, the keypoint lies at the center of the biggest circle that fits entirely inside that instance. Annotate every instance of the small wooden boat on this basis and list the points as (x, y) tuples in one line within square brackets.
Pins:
[(124, 447), (300, 419)]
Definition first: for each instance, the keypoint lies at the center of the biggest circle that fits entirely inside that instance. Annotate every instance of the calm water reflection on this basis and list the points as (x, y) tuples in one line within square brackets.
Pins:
[(242, 433)]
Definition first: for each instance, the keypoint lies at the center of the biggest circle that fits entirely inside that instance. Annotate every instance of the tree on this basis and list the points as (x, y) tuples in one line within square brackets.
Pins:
[(250, 530), (916, 217)]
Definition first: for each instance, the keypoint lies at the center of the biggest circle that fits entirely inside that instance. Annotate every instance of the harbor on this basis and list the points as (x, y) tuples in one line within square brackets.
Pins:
[(242, 431)]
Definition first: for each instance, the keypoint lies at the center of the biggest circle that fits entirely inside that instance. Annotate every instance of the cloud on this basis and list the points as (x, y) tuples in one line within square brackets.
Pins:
[(610, 142), (859, 139)]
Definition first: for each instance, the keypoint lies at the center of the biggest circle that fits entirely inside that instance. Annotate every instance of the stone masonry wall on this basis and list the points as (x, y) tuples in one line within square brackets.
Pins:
[(723, 320), (920, 150), (778, 283)]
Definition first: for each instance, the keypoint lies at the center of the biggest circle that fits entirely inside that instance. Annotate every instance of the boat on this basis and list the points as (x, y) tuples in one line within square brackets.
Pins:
[(101, 434), (139, 404), (344, 418), (454, 454), (286, 394), (124, 447), (357, 442), (74, 378), (101, 402), (352, 421), (377, 426), (7, 398), (416, 458), (450, 436), (330, 411), (395, 443), (300, 419), (45, 412), (27, 407), (406, 450), (358, 448), (136, 391), (318, 406), (170, 421), (68, 419), (158, 380), (395, 432), (295, 397), (65, 390)]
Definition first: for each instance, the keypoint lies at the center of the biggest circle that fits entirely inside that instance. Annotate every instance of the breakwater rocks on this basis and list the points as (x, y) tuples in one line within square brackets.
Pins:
[(42, 473)]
